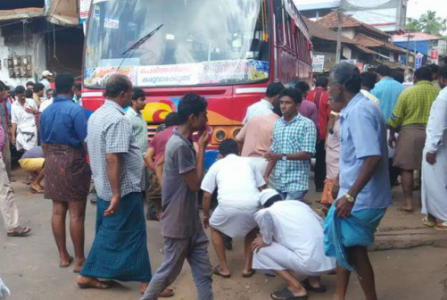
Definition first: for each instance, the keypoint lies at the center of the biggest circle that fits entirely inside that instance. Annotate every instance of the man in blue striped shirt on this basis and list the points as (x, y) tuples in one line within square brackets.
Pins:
[(294, 139)]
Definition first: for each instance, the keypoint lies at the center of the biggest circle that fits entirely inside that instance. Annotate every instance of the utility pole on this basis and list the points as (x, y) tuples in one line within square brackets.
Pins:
[(339, 31)]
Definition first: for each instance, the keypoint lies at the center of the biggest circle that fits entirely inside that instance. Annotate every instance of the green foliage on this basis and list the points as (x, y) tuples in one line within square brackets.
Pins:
[(428, 23)]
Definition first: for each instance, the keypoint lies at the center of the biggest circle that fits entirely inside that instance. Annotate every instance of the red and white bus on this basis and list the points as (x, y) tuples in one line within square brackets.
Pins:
[(225, 50)]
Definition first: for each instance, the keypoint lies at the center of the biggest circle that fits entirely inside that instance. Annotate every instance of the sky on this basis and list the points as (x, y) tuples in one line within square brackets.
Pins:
[(418, 7), (415, 7)]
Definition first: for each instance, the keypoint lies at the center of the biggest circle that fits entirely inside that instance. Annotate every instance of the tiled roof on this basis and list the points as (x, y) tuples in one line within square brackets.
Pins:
[(369, 42), (366, 50), (415, 36), (22, 13), (331, 21), (324, 33)]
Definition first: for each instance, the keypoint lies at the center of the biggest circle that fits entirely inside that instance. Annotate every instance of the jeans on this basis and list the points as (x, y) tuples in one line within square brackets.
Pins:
[(296, 195)]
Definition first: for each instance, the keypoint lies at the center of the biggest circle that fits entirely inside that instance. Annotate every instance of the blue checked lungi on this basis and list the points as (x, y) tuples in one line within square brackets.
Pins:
[(357, 230), (119, 250)]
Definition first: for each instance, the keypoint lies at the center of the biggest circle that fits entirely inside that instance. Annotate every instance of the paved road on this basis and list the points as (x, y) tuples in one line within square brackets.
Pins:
[(29, 265)]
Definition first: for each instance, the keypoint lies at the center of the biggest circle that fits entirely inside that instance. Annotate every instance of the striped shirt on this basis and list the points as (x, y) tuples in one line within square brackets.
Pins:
[(109, 131), (413, 105), (298, 135)]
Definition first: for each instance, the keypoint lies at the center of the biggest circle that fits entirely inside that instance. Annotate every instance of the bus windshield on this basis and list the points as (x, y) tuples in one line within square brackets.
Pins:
[(200, 42)]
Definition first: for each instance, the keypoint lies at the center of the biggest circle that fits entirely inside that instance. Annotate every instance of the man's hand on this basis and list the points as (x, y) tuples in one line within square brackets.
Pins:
[(13, 140), (392, 141), (203, 140), (113, 207), (31, 110), (430, 158), (270, 156), (343, 207), (335, 190), (206, 222), (257, 244)]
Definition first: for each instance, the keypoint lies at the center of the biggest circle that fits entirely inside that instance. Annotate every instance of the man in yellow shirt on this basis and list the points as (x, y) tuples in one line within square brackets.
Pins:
[(409, 118)]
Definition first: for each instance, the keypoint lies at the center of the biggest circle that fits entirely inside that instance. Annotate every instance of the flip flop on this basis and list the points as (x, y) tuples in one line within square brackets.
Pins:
[(96, 284), (217, 272), (168, 292), (286, 294), (19, 231), (428, 223), (249, 274), (441, 226), (321, 289), (70, 260)]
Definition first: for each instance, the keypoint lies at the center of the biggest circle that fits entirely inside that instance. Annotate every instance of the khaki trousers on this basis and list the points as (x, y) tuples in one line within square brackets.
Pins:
[(6, 154), (8, 207)]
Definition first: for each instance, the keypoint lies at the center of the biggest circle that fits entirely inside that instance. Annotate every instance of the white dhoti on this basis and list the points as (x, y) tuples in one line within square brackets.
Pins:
[(434, 185), (434, 177), (233, 222), (26, 138), (278, 257)]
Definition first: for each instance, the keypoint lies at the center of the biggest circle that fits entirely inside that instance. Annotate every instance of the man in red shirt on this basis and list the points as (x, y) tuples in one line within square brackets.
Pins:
[(154, 157), (320, 97)]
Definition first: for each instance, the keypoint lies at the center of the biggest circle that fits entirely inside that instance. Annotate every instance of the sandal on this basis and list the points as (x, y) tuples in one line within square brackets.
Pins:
[(168, 292), (428, 223), (19, 231), (321, 289), (96, 284), (441, 226), (217, 272), (286, 294), (67, 264), (249, 274)]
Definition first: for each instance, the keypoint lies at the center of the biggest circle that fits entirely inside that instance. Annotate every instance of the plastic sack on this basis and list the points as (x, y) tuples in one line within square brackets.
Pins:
[(4, 291)]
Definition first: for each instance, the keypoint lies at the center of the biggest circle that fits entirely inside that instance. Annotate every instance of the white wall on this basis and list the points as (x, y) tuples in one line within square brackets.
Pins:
[(35, 46)]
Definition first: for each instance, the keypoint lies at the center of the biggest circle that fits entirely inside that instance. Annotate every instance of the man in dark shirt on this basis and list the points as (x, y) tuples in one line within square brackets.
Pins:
[(63, 130), (181, 226)]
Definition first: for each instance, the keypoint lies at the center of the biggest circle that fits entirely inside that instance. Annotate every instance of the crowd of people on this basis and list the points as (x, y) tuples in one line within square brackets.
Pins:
[(364, 130)]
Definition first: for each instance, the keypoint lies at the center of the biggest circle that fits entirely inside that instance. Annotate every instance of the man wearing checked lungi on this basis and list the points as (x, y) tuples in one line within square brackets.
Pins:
[(364, 186), (119, 250)]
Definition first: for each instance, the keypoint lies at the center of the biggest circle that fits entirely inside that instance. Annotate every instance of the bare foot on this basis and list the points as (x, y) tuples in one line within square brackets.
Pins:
[(37, 188), (143, 287), (65, 262), (406, 208), (79, 263)]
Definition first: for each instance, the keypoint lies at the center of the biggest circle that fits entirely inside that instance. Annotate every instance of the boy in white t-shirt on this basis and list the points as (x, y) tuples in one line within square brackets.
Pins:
[(238, 182)]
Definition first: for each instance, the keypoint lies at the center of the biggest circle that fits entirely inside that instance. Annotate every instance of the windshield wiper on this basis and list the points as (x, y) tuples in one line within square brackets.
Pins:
[(143, 40), (137, 45)]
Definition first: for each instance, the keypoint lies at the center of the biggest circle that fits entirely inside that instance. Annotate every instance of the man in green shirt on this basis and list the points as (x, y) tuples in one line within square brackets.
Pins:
[(139, 128), (409, 118)]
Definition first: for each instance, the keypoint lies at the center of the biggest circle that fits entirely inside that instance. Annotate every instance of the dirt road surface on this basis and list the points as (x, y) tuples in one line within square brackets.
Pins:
[(409, 261)]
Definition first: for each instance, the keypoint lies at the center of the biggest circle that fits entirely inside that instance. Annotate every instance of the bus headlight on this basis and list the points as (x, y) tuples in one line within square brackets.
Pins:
[(235, 132), (220, 134)]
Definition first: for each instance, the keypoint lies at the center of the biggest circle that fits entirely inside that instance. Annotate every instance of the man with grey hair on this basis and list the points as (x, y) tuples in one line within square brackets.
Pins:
[(364, 191)]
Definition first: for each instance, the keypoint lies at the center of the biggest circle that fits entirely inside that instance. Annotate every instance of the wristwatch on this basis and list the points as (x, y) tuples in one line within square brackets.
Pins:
[(349, 198), (284, 158)]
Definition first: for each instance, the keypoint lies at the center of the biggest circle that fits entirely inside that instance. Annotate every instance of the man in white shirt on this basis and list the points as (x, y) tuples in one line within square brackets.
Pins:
[(47, 77), (24, 130), (264, 106), (291, 245), (238, 182)]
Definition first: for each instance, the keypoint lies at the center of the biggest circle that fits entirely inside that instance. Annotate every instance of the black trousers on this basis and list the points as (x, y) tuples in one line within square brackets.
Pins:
[(394, 173), (320, 165)]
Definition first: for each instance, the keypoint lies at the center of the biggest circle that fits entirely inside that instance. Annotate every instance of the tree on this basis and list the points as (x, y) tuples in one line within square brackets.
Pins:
[(428, 23)]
